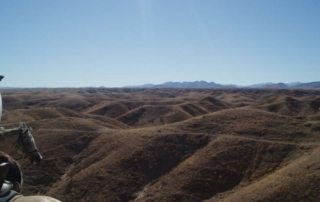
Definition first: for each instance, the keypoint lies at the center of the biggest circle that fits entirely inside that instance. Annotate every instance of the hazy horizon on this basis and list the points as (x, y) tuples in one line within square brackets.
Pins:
[(115, 44), (139, 85)]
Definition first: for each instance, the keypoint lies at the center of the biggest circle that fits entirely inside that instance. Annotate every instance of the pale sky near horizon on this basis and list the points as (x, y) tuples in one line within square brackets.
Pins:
[(112, 43)]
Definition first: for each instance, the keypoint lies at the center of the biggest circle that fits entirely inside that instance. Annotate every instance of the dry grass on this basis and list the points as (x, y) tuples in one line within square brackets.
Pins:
[(171, 145)]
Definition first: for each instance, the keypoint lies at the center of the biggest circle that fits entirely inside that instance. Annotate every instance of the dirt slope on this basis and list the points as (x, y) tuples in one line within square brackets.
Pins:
[(170, 145)]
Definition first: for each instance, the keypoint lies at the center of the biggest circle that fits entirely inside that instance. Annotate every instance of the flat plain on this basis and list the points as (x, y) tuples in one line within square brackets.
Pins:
[(169, 144)]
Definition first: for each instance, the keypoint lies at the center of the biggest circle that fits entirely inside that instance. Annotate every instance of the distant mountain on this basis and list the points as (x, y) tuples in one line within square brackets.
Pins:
[(188, 84), (311, 85), (293, 84), (269, 86), (213, 85)]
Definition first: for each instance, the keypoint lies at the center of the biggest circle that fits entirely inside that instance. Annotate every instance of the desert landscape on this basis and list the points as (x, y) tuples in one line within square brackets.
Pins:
[(137, 145)]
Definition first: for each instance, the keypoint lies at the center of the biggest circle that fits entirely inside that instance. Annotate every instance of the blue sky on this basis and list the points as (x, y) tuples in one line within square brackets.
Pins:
[(74, 43)]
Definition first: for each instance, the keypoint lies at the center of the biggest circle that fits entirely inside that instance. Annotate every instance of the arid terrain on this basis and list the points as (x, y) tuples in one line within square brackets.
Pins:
[(170, 145)]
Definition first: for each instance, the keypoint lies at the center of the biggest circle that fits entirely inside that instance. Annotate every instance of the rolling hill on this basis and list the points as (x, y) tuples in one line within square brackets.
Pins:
[(170, 144)]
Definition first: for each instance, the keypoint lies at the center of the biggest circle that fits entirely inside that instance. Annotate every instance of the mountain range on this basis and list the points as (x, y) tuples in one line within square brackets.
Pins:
[(213, 85)]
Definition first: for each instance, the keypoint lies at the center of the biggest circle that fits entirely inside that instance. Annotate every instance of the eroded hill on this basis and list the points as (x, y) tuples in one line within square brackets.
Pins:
[(171, 145)]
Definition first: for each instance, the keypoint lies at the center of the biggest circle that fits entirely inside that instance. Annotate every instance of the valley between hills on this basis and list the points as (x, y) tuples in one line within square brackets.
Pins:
[(170, 144)]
